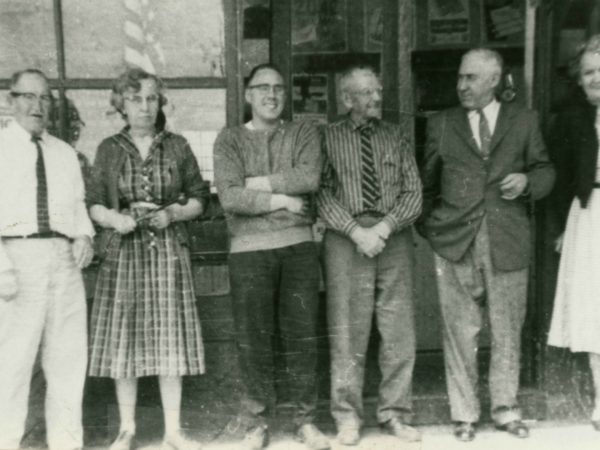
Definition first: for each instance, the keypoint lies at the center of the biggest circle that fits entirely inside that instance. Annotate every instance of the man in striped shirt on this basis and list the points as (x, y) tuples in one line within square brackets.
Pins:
[(369, 197)]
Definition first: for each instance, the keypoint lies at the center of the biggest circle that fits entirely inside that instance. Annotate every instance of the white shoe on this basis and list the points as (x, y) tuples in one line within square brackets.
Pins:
[(178, 441)]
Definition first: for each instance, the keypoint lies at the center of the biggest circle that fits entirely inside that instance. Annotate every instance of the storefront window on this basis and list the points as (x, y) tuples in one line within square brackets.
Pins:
[(196, 114), (173, 38), (27, 36)]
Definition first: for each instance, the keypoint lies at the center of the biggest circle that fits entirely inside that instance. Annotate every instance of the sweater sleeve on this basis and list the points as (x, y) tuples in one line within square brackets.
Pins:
[(303, 177), (230, 179)]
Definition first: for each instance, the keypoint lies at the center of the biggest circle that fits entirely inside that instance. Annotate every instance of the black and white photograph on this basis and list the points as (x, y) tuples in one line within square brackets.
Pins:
[(299, 224)]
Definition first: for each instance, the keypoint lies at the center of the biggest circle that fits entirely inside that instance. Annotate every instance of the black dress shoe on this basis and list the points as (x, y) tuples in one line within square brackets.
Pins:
[(464, 431), (516, 428), (596, 425)]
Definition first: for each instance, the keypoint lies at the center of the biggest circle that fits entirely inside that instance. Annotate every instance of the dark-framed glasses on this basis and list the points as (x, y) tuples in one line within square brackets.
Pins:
[(138, 99), (265, 88), (31, 97)]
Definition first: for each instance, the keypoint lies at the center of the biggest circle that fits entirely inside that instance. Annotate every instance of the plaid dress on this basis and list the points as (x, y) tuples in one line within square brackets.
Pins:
[(144, 316)]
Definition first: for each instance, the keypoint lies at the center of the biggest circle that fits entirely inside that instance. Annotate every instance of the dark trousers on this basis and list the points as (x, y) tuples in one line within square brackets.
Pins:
[(276, 285)]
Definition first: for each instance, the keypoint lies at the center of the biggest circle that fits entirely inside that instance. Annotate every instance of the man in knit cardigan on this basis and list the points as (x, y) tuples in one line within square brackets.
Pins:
[(265, 171)]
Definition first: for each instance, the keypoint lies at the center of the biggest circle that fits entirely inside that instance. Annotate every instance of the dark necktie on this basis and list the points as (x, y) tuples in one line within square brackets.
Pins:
[(43, 218), (485, 135), (369, 182)]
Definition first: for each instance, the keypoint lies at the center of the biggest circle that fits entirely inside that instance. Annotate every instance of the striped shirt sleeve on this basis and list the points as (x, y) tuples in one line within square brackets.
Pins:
[(408, 204), (331, 210)]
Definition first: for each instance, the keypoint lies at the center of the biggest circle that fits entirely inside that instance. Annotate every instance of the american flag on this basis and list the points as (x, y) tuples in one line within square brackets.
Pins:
[(142, 49)]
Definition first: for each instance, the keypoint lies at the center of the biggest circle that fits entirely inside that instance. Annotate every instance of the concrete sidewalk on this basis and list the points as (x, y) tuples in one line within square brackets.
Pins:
[(544, 435)]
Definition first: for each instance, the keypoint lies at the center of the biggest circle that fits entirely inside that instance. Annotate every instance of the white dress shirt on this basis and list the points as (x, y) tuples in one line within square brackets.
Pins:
[(5, 263), (491, 114), (18, 185)]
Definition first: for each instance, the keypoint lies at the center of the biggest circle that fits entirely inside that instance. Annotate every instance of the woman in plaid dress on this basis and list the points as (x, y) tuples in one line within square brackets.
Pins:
[(144, 318)]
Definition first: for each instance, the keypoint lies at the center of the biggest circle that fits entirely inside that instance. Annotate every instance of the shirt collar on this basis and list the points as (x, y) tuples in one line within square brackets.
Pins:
[(491, 109), (371, 123), (23, 134)]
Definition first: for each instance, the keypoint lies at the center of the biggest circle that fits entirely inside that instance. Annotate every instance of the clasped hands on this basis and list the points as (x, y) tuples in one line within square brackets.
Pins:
[(125, 222), (370, 241)]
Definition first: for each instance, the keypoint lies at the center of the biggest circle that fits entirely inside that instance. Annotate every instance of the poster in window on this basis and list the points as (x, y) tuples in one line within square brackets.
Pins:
[(448, 22), (319, 26), (373, 14), (503, 21), (309, 97)]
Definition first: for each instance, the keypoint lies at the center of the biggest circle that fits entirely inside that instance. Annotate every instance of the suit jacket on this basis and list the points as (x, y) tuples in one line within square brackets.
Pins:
[(573, 145), (461, 187)]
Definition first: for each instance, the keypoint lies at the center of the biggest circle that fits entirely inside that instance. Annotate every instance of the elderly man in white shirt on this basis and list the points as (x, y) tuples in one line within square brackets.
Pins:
[(45, 241)]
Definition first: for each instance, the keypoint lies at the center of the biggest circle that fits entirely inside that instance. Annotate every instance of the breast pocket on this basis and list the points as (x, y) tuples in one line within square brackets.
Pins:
[(390, 171)]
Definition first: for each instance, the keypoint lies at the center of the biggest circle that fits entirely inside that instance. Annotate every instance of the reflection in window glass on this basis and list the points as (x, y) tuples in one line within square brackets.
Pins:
[(196, 114), (174, 38), (27, 37), (92, 118)]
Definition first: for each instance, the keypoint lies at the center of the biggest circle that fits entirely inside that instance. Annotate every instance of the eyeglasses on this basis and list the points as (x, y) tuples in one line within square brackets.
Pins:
[(30, 97), (369, 92), (264, 89), (138, 99)]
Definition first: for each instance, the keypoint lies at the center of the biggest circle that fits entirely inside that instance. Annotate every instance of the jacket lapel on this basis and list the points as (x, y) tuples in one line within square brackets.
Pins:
[(503, 124), (460, 122)]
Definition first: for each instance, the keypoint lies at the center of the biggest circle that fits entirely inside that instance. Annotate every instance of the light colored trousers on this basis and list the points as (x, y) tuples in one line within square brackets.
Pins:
[(50, 310), (359, 288), (463, 286)]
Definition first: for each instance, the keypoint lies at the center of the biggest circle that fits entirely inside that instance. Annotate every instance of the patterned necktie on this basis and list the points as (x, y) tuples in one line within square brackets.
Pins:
[(369, 182), (43, 218), (485, 135)]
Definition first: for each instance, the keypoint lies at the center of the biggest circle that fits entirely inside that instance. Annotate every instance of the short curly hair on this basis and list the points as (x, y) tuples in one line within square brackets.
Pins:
[(592, 45), (131, 79)]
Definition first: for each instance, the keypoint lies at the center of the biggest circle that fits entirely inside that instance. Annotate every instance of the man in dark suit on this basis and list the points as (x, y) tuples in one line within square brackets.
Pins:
[(484, 162)]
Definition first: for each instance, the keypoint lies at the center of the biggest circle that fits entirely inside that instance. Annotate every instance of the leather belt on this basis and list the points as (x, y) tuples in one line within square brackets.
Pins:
[(596, 184), (45, 235), (371, 214)]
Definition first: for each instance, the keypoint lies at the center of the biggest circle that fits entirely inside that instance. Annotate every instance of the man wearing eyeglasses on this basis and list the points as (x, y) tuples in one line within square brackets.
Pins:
[(369, 197), (45, 239), (265, 171)]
